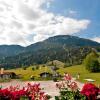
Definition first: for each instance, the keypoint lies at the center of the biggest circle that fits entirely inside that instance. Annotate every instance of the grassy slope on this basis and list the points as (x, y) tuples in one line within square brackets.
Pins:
[(83, 73), (26, 74)]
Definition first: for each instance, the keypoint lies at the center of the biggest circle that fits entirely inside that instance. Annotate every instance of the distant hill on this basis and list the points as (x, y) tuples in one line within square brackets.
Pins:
[(10, 50), (65, 48), (67, 40)]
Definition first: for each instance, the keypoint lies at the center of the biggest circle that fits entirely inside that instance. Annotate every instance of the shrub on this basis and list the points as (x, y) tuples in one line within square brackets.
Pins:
[(33, 68), (37, 67), (32, 77), (65, 94), (91, 62), (24, 67), (94, 66), (54, 79), (67, 65), (43, 65)]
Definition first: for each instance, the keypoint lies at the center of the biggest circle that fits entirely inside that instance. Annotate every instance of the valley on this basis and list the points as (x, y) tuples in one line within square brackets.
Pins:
[(73, 70)]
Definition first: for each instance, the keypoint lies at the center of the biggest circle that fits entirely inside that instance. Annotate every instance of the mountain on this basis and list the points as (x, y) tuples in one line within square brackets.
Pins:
[(71, 41), (65, 48), (10, 50), (62, 40)]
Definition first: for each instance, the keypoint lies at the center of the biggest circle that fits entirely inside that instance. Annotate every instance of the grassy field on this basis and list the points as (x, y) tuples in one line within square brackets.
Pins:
[(84, 74), (26, 74)]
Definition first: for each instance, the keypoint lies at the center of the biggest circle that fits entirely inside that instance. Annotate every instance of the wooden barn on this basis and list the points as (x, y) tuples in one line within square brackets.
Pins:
[(45, 74), (7, 75)]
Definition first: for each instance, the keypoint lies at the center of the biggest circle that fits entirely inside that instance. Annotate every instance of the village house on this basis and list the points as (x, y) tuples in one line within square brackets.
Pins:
[(6, 75), (45, 75)]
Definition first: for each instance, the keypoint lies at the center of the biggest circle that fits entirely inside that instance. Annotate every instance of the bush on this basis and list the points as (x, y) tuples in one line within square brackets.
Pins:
[(37, 67), (91, 62), (54, 79), (65, 94), (24, 67), (32, 77), (43, 65), (94, 66), (33, 68), (67, 65)]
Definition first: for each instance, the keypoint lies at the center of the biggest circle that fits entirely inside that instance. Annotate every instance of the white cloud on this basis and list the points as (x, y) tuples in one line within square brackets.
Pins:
[(20, 19), (60, 25), (97, 39)]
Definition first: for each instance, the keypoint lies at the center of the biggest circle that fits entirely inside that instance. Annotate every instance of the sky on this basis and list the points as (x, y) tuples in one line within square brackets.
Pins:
[(24, 22)]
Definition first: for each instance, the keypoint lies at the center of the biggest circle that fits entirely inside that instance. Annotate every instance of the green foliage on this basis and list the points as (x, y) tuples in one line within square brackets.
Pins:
[(37, 67), (43, 65), (33, 68), (32, 77), (24, 67), (54, 79), (5, 80), (65, 94), (67, 65), (24, 98), (91, 62), (94, 66)]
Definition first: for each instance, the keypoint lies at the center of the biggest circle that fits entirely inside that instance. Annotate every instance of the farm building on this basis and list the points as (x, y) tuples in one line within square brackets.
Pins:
[(45, 74), (6, 75)]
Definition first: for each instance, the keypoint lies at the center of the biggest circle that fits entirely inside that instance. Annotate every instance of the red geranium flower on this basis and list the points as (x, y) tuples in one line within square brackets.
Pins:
[(31, 91), (90, 90)]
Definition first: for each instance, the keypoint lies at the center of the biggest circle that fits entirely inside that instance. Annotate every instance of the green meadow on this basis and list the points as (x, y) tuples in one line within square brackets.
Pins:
[(26, 74), (73, 70), (84, 74)]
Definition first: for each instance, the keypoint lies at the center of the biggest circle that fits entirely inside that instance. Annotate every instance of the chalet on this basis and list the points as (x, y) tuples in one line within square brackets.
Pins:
[(6, 75), (45, 74)]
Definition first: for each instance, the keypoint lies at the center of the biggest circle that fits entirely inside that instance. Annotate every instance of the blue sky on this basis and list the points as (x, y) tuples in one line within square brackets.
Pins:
[(84, 9), (24, 22)]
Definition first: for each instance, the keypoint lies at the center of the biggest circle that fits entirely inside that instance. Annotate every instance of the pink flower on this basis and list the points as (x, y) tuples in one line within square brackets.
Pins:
[(67, 77), (73, 86)]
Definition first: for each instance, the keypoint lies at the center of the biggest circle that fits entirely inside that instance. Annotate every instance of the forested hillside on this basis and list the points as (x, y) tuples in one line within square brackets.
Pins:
[(69, 49)]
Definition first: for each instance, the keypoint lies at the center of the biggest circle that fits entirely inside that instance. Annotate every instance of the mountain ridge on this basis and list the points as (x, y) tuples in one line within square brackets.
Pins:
[(65, 48)]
